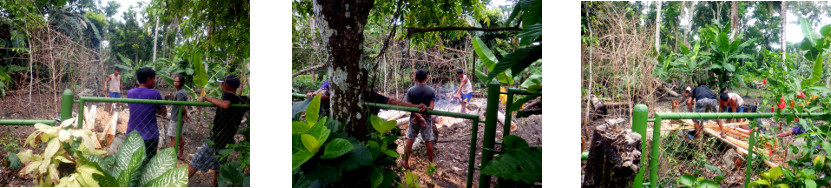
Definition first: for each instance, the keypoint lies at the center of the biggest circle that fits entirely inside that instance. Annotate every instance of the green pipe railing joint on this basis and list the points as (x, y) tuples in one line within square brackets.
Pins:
[(640, 115), (489, 135)]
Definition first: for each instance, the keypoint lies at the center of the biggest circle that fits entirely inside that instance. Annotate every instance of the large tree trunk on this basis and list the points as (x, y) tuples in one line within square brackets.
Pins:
[(341, 24), (784, 14), (614, 158), (658, 29), (734, 19), (155, 38)]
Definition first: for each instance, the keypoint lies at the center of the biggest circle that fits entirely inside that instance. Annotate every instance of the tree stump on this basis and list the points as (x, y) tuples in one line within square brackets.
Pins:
[(614, 158)]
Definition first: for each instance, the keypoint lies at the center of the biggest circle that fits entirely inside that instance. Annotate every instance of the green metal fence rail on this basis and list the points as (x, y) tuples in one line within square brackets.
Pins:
[(25, 122), (639, 125)]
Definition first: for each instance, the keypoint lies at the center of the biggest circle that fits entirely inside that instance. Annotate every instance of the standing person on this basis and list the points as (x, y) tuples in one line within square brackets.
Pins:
[(324, 99), (181, 95), (705, 101), (420, 123), (143, 116), (226, 122), (731, 102), (465, 89), (113, 85)]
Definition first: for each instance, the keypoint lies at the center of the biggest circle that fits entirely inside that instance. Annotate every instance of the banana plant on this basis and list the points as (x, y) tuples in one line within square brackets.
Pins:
[(724, 54)]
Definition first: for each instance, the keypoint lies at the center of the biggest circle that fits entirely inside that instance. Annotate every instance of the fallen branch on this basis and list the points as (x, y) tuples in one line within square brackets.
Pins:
[(309, 69), (411, 30)]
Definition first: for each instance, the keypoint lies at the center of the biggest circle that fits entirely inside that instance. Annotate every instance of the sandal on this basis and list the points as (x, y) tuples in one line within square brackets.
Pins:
[(404, 165)]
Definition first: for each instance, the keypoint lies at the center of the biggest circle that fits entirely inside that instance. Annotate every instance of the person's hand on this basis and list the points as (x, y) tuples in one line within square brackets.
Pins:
[(310, 95), (458, 95), (422, 107)]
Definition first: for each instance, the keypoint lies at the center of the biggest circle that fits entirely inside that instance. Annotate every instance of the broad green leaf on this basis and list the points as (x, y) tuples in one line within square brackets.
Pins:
[(532, 14), (175, 177), (530, 34), (729, 67), (518, 104), (825, 31), (298, 127), (167, 79), (517, 61), (391, 153), (336, 148), (742, 56), (52, 148), (807, 31), (523, 164), (126, 177), (14, 162), (537, 88), (775, 172), (376, 178), (816, 74), (723, 42), (810, 183), (132, 144), (485, 54), (298, 107), (320, 131), (299, 158), (313, 111), (200, 77), (161, 162), (708, 184), (514, 142), (374, 148), (381, 125), (310, 142), (827, 147), (760, 182)]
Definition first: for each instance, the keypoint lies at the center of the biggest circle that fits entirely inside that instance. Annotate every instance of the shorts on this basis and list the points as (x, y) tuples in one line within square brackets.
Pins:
[(171, 128), (150, 147), (205, 159), (115, 95), (467, 96), (425, 131), (740, 110), (702, 105)]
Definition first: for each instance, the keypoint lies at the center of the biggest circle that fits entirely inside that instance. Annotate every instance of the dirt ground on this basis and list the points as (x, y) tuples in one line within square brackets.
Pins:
[(453, 147), (16, 106), (713, 149)]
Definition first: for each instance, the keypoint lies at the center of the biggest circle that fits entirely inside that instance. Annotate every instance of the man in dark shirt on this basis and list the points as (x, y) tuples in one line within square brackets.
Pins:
[(705, 101), (420, 123), (225, 125), (370, 95)]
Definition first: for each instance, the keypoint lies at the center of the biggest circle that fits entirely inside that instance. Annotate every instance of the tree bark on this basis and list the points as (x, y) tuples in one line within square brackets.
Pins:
[(614, 158), (308, 69), (658, 29), (734, 19), (155, 38), (341, 24), (784, 14)]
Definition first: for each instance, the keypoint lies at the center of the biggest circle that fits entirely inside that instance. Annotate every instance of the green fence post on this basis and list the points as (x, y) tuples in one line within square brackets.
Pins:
[(66, 105), (640, 114), (653, 161), (506, 128), (178, 129), (81, 114), (489, 136), (751, 141), (474, 132)]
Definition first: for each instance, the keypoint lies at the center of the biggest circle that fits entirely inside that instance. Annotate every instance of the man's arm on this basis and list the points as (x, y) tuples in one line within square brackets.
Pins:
[(107, 83), (459, 92), (690, 104), (784, 134), (219, 103), (402, 103)]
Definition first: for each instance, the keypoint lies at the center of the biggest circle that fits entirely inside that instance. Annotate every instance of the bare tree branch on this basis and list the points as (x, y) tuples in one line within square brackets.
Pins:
[(411, 30), (309, 69)]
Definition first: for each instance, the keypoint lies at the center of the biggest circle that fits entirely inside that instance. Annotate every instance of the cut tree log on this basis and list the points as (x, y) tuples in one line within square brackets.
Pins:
[(614, 158)]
